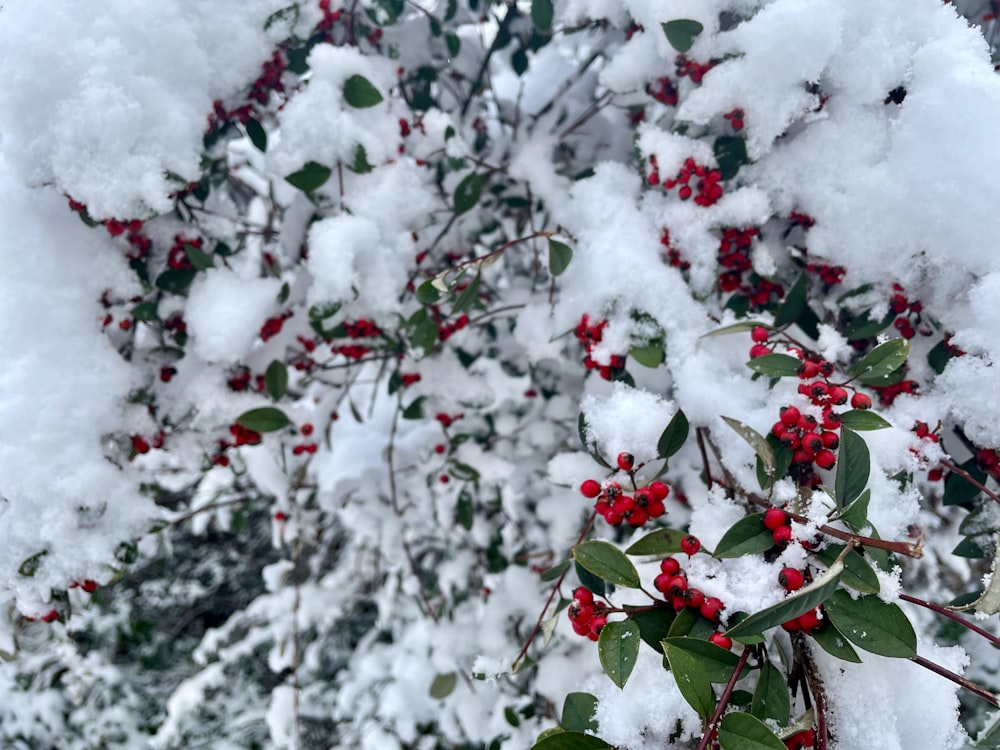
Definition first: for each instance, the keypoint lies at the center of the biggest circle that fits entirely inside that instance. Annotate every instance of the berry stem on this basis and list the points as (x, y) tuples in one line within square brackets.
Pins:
[(942, 610), (713, 724), (972, 687), (552, 594), (955, 469)]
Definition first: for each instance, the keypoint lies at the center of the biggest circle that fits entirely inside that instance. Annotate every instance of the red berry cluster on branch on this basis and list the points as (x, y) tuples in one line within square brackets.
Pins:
[(590, 335), (615, 507), (735, 118), (663, 90), (734, 257), (674, 256), (692, 69), (672, 582), (706, 190), (272, 326), (587, 616)]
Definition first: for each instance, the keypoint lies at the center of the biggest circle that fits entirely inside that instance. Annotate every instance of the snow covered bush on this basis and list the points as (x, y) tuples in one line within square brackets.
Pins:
[(365, 363)]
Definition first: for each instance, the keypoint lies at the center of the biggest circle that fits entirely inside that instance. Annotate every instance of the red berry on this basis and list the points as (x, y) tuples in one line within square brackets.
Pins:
[(695, 598), (711, 608), (690, 545), (677, 585), (830, 440), (774, 518), (581, 628), (444, 479), (679, 603), (791, 579), (808, 370), (590, 488), (670, 566), (812, 442), (837, 395), (759, 335), (831, 420), (597, 624), (662, 582), (439, 448), (792, 625), (626, 461), (721, 640), (758, 350), (861, 401), (637, 517), (790, 416), (934, 475), (825, 459), (782, 535), (89, 586), (655, 509), (50, 616), (659, 490), (810, 620)]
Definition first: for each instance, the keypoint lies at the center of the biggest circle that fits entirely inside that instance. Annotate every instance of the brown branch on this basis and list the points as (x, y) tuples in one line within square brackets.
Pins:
[(817, 691), (941, 610), (699, 433), (955, 469), (727, 693), (972, 687)]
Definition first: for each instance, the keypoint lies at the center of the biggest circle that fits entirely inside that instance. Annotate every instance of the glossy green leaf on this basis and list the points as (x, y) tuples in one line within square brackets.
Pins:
[(570, 741), (863, 419), (863, 327), (467, 193), (453, 43), (742, 731), (853, 468), (689, 623), (791, 607), (264, 419), (427, 293), (145, 311), (199, 258), (960, 491), (770, 698), (776, 365), (718, 663), (794, 303), (691, 680), (542, 14), (681, 33), (176, 280), (554, 572), (359, 92), (659, 542), (468, 297), (654, 624), (618, 649), (730, 154), (756, 441), (882, 361), (607, 562), (747, 536), (858, 574), (560, 255), (834, 643), (855, 515), (443, 685), (589, 581), (578, 713), (743, 326), (312, 176), (257, 134), (651, 355), (872, 624), (673, 436), (276, 379)]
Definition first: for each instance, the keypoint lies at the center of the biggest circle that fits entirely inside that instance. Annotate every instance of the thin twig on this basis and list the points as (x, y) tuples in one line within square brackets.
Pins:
[(713, 725), (484, 66), (944, 611), (816, 689), (704, 456), (955, 469), (972, 687)]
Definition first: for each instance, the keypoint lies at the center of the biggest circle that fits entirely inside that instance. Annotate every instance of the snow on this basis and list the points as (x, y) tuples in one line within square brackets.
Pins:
[(225, 313)]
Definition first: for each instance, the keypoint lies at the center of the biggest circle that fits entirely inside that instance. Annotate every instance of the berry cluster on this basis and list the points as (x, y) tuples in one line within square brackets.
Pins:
[(777, 522), (674, 256), (692, 69), (888, 393), (272, 326), (672, 582), (663, 90), (806, 623), (735, 119), (330, 17), (706, 190), (615, 507), (178, 257), (587, 616), (734, 257), (989, 462), (908, 312), (305, 430), (590, 336)]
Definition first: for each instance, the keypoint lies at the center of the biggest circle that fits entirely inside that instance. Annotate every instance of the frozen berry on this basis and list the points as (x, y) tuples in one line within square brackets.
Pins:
[(670, 566), (626, 461), (774, 518), (861, 401), (711, 608), (690, 545), (782, 535), (590, 488), (791, 579)]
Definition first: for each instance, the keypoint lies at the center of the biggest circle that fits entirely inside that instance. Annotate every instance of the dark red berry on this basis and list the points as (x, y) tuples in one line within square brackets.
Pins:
[(791, 579), (782, 535), (825, 459), (861, 401), (89, 586), (670, 566), (626, 461), (711, 608), (774, 518), (690, 545)]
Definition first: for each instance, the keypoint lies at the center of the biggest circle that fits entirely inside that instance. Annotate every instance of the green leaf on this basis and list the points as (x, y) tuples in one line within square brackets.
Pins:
[(145, 311), (443, 685), (424, 331), (776, 365), (730, 154), (618, 649), (691, 679), (288, 14), (176, 280), (971, 548), (360, 164), (747, 536), (427, 293), (650, 355), (30, 566), (791, 607), (276, 379), (794, 303), (782, 461), (872, 624), (257, 134), (689, 622), (960, 491), (415, 410), (863, 419), (578, 713), (673, 436), (519, 61), (858, 574), (740, 731), (570, 741), (741, 327), (468, 297), (654, 624), (467, 193), (541, 14), (359, 92), (718, 663), (863, 327), (199, 259), (659, 542), (855, 515), (465, 514), (756, 441), (453, 43), (681, 33), (607, 562), (589, 581), (554, 572), (939, 356), (560, 254), (770, 698), (264, 419), (876, 366), (834, 643), (312, 176), (853, 468)]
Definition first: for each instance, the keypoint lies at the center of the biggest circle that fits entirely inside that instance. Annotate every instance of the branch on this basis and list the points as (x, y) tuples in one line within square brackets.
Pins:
[(955, 469), (713, 725), (972, 687), (941, 610)]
